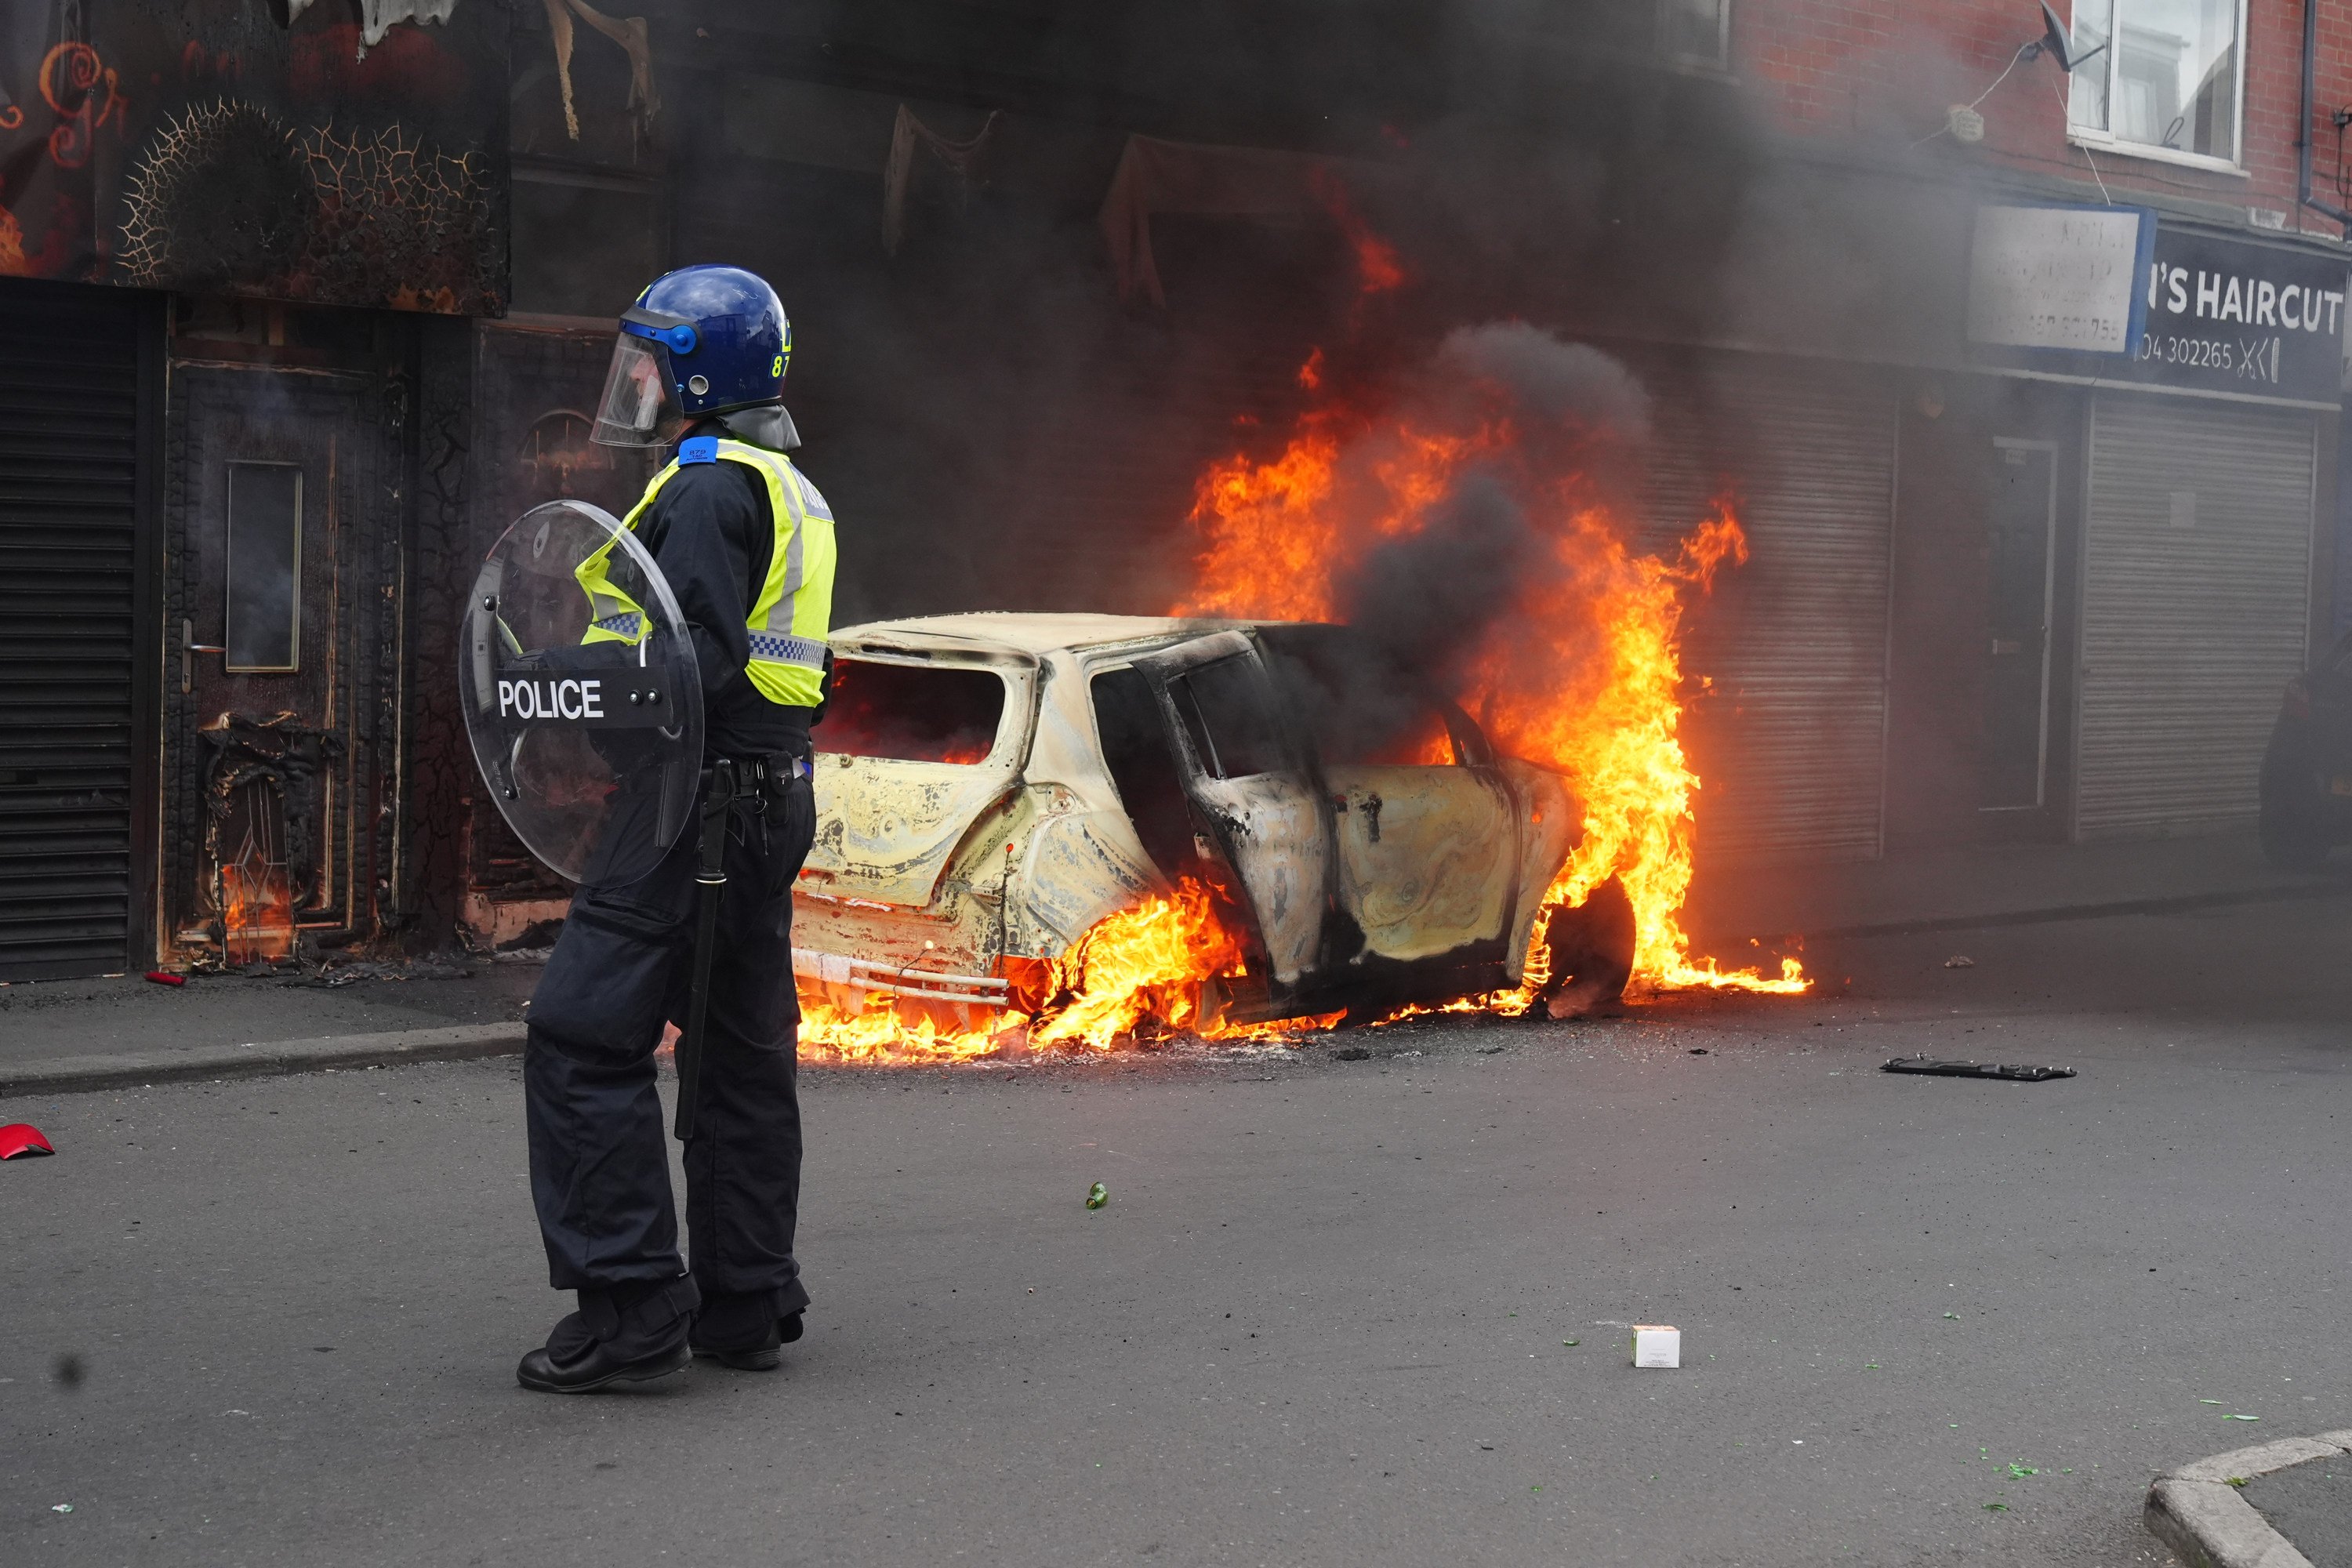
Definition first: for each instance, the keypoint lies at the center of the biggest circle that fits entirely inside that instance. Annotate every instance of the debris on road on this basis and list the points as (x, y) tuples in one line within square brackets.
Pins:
[(164, 977), (1098, 1195), (2016, 1072), (1352, 1054), (22, 1140), (62, 1508), (1571, 1342), (2240, 1417), (1657, 1344), (1960, 961)]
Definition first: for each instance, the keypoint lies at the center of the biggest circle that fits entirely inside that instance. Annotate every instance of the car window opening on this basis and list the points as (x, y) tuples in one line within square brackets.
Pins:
[(1230, 716), (1142, 767), (1360, 712), (940, 714)]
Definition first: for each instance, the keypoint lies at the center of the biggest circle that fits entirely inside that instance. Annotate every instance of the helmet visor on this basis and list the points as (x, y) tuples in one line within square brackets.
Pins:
[(640, 406)]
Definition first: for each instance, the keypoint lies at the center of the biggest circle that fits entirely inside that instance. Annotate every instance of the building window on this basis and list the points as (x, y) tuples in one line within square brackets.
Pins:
[(265, 567), (2169, 81), (1695, 32)]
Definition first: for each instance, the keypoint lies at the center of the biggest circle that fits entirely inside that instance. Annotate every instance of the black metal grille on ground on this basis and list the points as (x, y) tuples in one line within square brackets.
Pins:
[(69, 406)]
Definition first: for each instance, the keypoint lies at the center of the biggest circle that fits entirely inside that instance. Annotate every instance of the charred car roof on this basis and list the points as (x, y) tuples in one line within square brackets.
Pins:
[(1023, 632)]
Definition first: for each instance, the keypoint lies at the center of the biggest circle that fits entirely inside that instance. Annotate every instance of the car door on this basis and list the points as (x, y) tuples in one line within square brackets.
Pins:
[(1249, 782), (1428, 858), (1424, 826)]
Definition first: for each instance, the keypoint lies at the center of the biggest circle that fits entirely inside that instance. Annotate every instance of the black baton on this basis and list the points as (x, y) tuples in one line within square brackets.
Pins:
[(710, 880)]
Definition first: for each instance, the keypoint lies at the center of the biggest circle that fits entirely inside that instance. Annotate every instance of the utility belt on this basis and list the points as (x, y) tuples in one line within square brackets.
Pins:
[(751, 784), (741, 776)]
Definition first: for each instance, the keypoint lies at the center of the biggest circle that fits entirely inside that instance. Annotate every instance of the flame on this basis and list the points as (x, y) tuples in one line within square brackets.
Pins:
[(1582, 673), (1611, 724), (1143, 963), (1139, 975), (880, 1034), (254, 894), (257, 917), (1377, 268)]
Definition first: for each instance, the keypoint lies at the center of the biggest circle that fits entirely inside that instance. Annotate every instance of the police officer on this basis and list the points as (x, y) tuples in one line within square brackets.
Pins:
[(746, 544)]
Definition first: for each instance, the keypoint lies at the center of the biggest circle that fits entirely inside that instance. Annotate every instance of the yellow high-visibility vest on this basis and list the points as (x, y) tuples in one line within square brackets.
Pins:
[(791, 616)]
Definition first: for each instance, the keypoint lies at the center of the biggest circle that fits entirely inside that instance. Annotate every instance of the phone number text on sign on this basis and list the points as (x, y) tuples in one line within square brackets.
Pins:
[(2254, 359)]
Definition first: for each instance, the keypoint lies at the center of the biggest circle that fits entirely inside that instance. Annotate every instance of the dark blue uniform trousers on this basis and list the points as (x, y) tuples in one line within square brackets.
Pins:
[(599, 1148)]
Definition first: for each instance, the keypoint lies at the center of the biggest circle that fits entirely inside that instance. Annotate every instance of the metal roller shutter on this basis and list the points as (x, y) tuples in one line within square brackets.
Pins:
[(1791, 744), (2196, 583), (68, 414)]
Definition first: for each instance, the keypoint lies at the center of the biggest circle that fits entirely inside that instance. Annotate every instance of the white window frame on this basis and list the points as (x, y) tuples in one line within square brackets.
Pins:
[(2108, 142), (1721, 60)]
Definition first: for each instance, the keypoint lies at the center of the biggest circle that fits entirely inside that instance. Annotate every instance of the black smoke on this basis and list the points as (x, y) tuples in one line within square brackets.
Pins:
[(999, 429), (1428, 605), (1427, 600)]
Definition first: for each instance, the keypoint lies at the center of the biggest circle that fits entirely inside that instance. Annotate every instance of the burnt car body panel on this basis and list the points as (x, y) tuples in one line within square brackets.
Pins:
[(1131, 752), (1253, 789), (1427, 860), (894, 822)]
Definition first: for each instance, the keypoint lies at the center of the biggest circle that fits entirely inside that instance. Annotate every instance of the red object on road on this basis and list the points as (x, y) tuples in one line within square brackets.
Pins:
[(22, 1139), (162, 977)]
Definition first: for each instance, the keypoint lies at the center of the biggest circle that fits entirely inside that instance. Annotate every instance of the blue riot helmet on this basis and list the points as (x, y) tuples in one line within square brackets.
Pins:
[(700, 341)]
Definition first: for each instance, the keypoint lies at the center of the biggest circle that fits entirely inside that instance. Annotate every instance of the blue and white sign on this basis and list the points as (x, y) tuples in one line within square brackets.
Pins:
[(2064, 277)]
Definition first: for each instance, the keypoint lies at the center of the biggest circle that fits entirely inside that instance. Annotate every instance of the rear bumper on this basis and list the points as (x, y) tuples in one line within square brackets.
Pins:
[(847, 983)]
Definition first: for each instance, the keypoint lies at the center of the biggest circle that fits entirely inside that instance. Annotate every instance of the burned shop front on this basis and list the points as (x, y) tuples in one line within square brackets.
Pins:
[(235, 258)]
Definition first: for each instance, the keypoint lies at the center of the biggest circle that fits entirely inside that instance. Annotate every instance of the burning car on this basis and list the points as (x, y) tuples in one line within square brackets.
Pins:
[(990, 788)]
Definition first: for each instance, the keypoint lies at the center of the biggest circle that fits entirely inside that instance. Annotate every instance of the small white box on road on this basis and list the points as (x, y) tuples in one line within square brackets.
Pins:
[(1657, 1344)]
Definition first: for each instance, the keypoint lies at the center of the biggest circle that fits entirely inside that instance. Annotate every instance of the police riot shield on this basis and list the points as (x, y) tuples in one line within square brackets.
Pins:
[(581, 696)]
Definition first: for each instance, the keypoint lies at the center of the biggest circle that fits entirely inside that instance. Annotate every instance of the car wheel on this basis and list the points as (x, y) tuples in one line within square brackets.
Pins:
[(2292, 827), (1592, 952)]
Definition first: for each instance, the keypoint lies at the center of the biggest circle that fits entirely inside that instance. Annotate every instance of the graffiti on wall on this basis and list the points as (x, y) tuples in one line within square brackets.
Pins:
[(311, 153)]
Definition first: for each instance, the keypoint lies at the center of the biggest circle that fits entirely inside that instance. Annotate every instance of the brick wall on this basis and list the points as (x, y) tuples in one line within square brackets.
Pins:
[(1885, 70)]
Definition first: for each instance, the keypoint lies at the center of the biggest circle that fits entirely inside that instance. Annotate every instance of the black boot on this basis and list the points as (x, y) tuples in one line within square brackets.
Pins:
[(627, 1333), (745, 1331)]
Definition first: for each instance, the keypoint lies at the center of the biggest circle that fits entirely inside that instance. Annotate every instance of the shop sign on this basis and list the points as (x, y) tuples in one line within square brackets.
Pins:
[(2204, 312), (2228, 315), (2059, 277)]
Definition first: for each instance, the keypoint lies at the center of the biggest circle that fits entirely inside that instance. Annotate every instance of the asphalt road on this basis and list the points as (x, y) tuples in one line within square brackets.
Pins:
[(1321, 1320)]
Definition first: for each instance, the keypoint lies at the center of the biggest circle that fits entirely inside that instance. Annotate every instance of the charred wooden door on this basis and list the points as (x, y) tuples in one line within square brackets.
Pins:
[(284, 632)]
